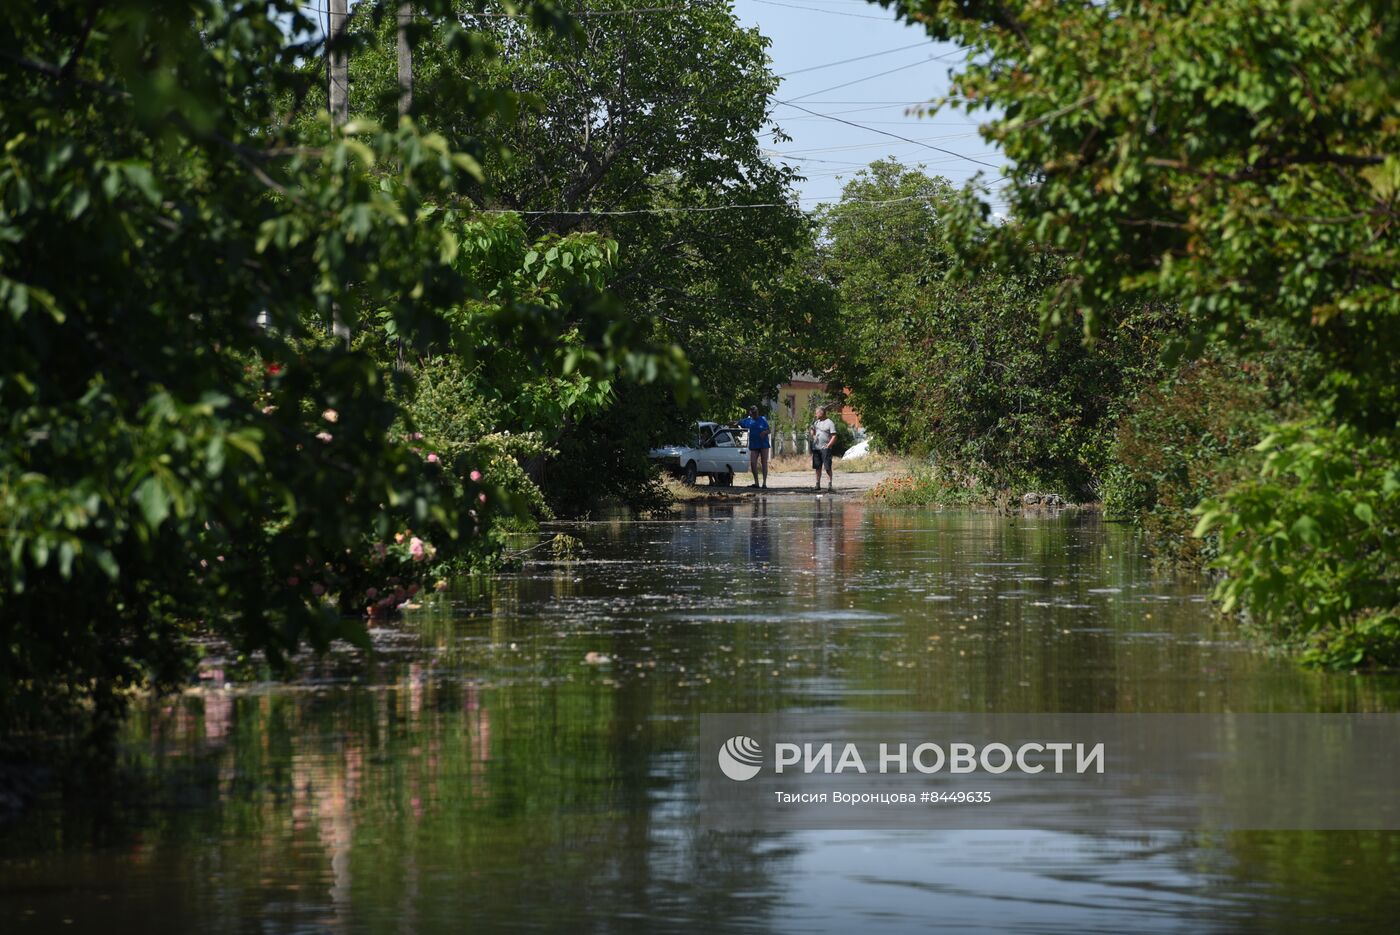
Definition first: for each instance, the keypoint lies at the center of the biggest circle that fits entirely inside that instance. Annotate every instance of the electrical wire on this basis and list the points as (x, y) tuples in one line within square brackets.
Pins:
[(847, 61), (834, 149), (694, 209), (896, 136), (878, 74), (835, 87), (811, 9), (576, 14)]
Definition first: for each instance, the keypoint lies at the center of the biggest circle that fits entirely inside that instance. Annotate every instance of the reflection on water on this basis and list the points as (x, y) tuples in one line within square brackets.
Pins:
[(520, 755)]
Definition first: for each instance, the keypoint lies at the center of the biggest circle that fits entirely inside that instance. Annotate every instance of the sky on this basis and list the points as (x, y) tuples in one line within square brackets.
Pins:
[(809, 38), (896, 67)]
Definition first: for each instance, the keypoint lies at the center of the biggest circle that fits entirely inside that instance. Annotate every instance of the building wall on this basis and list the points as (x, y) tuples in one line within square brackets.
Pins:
[(794, 399)]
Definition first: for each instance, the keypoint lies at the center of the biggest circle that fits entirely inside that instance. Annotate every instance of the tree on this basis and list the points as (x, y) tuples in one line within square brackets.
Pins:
[(956, 368), (647, 128), (1237, 159), (182, 444)]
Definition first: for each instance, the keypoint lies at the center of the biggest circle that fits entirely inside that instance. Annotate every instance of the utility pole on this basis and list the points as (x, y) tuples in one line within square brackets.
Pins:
[(339, 92), (405, 60), (340, 63), (405, 105)]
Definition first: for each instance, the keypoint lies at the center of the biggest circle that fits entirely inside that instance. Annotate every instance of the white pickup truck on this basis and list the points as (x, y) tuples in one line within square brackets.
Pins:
[(717, 452)]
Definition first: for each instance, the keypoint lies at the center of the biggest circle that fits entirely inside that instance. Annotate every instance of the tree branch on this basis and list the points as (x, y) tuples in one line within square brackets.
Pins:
[(68, 67)]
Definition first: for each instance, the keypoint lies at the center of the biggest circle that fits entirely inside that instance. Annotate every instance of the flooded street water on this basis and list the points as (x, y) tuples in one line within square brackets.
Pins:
[(521, 754)]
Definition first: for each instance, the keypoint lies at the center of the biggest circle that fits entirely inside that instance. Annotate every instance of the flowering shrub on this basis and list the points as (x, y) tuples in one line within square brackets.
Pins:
[(376, 583)]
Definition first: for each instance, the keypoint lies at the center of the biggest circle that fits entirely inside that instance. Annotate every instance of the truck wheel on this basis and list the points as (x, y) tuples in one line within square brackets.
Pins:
[(690, 474)]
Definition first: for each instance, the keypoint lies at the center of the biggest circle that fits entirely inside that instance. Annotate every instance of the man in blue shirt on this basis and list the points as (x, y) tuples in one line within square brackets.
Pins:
[(760, 440)]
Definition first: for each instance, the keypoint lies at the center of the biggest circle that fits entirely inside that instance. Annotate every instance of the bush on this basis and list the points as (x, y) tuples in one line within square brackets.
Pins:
[(959, 368), (1308, 546), (933, 486), (602, 457), (1183, 440), (180, 450)]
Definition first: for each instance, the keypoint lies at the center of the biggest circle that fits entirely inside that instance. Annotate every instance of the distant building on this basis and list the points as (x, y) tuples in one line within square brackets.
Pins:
[(794, 400)]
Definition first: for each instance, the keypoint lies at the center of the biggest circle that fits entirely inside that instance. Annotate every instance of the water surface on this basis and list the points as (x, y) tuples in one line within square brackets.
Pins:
[(519, 753)]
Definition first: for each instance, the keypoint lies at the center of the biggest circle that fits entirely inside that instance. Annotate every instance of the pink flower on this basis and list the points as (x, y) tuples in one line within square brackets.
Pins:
[(324, 436), (371, 593), (417, 436), (476, 475), (318, 589), (330, 415), (432, 458), (415, 548), (481, 497)]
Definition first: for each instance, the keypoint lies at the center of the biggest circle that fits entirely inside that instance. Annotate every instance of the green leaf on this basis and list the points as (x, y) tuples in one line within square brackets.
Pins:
[(107, 562), (154, 501)]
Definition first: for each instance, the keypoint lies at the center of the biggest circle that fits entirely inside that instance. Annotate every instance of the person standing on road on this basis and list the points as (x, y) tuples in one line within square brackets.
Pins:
[(823, 436), (759, 443)]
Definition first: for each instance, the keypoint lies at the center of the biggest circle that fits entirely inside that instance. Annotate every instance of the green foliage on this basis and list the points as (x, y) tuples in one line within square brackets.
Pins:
[(603, 456), (182, 445), (957, 369), (1308, 546), (448, 422), (624, 125), (931, 486), (1237, 160), (1181, 441)]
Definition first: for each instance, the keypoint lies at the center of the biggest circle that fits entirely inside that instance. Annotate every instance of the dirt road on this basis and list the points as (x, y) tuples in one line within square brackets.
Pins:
[(795, 483)]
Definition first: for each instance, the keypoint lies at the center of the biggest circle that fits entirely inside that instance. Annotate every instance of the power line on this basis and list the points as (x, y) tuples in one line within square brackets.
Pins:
[(812, 9), (906, 122), (858, 58), (896, 136), (833, 149), (861, 110), (878, 74), (576, 14), (834, 162), (693, 209), (835, 87), (876, 103)]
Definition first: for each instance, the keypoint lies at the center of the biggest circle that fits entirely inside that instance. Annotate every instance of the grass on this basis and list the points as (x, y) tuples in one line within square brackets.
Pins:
[(877, 461), (871, 463), (926, 486)]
